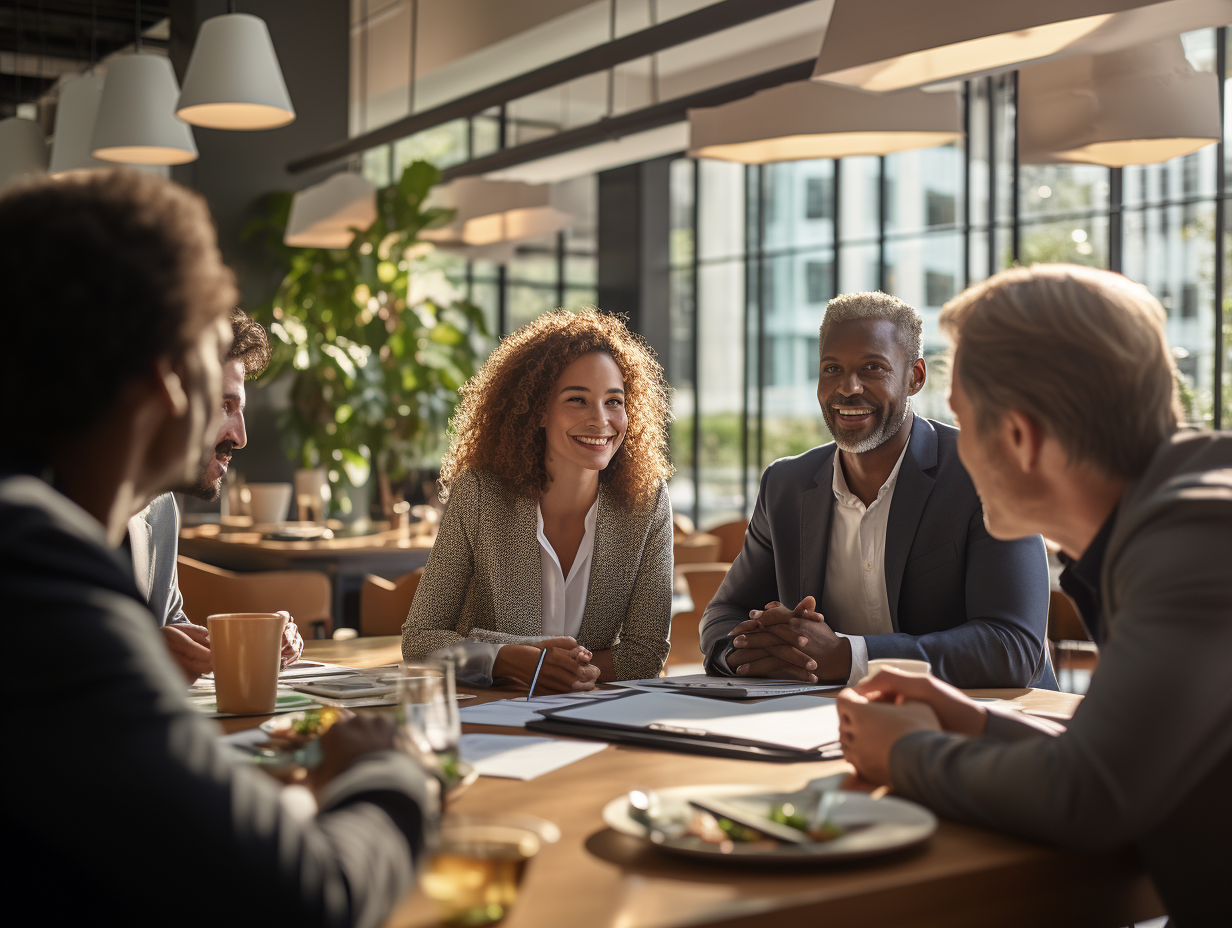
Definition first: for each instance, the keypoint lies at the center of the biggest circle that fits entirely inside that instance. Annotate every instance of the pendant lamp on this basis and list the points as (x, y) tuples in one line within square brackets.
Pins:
[(1142, 105), (804, 120), (885, 45), (76, 114), (491, 211), (233, 79), (327, 214), (136, 116), (23, 150)]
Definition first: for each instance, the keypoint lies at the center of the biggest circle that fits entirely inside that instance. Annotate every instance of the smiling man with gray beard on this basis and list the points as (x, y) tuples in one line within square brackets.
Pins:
[(874, 546)]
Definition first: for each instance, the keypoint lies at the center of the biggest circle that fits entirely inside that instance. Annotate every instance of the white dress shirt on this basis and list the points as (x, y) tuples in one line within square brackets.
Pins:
[(854, 600), (564, 601)]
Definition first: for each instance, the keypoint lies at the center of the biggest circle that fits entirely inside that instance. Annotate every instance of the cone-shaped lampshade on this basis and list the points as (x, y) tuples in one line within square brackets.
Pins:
[(136, 118), (1142, 105), (23, 150), (325, 215), (883, 45), (233, 79), (491, 211), (805, 120), (76, 113)]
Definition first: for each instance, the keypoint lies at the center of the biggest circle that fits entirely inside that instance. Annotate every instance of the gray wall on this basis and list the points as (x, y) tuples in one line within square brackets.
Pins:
[(236, 169)]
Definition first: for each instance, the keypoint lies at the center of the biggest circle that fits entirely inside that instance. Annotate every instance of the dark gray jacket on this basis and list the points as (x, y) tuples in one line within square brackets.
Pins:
[(1147, 758), (117, 786), (974, 607)]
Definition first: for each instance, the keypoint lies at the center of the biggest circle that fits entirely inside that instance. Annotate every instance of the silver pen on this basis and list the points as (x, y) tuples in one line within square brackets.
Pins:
[(543, 652)]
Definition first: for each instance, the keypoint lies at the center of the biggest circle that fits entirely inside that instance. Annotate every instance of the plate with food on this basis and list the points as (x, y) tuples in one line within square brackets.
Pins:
[(750, 823)]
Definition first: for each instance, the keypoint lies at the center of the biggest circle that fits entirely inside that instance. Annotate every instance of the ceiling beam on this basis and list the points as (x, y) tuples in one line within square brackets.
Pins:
[(650, 117), (695, 25)]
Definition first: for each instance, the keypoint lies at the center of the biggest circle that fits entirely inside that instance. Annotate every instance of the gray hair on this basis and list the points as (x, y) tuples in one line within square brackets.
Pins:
[(877, 305)]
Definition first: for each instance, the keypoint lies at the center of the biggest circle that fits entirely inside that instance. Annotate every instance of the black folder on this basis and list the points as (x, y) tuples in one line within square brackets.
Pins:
[(682, 740)]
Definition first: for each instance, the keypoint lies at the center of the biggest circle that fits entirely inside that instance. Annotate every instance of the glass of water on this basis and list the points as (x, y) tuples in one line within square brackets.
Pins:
[(428, 712)]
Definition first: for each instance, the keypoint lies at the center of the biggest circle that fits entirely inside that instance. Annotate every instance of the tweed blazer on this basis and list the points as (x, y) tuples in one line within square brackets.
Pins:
[(484, 577)]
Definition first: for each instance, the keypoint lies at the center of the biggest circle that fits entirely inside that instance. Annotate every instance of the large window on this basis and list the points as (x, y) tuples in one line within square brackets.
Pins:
[(758, 251)]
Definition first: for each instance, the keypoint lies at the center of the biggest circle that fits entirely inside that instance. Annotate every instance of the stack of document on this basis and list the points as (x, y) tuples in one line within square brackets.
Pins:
[(791, 728), (516, 712)]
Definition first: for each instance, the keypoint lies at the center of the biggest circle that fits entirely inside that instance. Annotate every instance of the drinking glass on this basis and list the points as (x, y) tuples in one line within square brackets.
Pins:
[(477, 868), (428, 710)]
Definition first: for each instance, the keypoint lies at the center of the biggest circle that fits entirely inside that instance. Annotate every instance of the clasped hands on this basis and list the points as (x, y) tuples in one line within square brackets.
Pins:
[(877, 711), (790, 643), (567, 666)]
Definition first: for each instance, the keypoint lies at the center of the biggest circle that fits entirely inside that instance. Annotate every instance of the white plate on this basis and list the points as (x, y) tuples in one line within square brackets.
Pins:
[(892, 824)]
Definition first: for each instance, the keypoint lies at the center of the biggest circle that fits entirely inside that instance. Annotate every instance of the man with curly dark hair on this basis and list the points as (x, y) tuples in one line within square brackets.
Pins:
[(555, 554), (154, 532)]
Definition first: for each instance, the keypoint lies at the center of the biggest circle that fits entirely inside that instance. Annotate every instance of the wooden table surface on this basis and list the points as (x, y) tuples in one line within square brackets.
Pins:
[(597, 878)]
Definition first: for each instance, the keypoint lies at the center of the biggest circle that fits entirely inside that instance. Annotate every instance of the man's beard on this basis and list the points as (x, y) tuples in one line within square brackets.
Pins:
[(204, 488), (889, 420)]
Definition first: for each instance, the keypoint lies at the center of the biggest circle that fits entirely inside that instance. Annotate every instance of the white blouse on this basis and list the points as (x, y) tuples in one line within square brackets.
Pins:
[(564, 598)]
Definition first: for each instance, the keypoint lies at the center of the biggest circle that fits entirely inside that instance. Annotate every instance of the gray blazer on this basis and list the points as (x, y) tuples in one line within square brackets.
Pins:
[(974, 607), (169, 809), (484, 577), (1147, 758), (154, 536)]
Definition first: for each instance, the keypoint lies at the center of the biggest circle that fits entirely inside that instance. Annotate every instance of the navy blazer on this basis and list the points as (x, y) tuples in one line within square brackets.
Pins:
[(974, 607)]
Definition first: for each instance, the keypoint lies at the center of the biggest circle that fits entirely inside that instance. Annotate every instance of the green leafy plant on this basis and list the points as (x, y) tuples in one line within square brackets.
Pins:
[(375, 340)]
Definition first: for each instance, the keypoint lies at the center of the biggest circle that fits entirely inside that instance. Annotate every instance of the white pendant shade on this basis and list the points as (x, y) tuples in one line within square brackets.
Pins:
[(136, 118), (233, 79), (804, 120), (325, 215), (23, 150), (76, 113), (603, 156), (491, 211), (884, 45), (1142, 105)]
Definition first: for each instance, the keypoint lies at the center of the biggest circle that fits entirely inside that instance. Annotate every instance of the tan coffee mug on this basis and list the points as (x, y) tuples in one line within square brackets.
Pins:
[(247, 652), (898, 663)]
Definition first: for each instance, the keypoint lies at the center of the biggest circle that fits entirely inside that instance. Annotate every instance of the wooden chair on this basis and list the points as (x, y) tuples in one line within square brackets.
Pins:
[(383, 604), (697, 548), (210, 590), (731, 538), (703, 579), (1071, 646)]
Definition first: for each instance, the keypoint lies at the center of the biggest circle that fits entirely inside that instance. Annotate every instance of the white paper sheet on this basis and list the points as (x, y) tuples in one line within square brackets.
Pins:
[(800, 722), (515, 713), (516, 757)]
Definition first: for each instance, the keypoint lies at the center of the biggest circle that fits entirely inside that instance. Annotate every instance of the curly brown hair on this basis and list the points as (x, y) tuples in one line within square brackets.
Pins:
[(249, 343), (496, 428)]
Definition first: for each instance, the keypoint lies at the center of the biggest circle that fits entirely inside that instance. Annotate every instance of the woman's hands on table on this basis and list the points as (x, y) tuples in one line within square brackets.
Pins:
[(878, 711), (567, 666)]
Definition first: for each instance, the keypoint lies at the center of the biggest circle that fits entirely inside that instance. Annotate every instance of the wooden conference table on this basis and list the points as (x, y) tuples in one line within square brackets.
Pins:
[(595, 878)]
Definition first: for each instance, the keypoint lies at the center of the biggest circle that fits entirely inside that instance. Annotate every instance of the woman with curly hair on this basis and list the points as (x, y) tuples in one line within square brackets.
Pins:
[(555, 552)]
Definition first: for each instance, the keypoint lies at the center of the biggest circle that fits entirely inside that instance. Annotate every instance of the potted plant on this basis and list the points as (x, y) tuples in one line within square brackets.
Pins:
[(376, 341)]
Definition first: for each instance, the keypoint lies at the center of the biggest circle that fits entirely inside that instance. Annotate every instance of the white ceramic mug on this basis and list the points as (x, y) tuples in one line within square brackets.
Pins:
[(269, 501), (898, 663)]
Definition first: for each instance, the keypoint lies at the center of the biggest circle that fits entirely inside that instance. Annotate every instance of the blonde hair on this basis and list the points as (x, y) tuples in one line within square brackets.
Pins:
[(1080, 350), (874, 304)]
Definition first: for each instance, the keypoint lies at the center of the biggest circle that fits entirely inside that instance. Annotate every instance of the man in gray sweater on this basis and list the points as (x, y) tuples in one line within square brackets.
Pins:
[(1065, 388)]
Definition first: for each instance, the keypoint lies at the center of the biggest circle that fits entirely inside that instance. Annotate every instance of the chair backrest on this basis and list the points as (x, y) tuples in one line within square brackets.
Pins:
[(731, 538), (696, 549), (1063, 621), (384, 604), (703, 579), (209, 590)]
